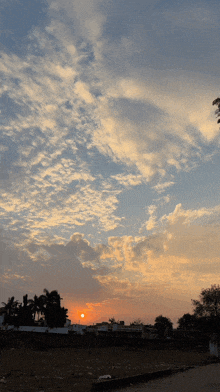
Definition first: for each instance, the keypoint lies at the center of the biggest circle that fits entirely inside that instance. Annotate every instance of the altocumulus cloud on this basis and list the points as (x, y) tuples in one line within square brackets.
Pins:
[(66, 97), (51, 121)]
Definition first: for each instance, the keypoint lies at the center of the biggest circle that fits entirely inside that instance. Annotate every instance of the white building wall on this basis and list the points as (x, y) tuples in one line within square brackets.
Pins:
[(32, 329), (78, 328), (58, 330), (118, 327), (37, 329)]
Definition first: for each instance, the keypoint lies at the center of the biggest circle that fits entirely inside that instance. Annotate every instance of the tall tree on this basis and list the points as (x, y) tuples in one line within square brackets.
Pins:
[(25, 313), (37, 305), (48, 305), (209, 302), (10, 309), (55, 315), (207, 309), (52, 297), (187, 322), (10, 306), (163, 326)]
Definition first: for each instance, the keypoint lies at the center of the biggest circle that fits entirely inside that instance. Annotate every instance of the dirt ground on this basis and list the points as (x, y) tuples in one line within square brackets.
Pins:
[(75, 369), (199, 379)]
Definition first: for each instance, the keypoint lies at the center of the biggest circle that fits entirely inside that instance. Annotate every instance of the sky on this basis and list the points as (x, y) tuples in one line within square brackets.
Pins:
[(109, 155)]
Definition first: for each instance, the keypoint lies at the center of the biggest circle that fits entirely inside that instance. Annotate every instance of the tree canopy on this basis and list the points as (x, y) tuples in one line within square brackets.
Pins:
[(187, 322), (48, 305), (209, 302), (207, 309), (164, 326)]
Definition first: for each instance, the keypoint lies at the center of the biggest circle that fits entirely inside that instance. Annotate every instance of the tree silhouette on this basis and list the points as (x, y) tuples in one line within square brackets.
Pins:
[(137, 322), (187, 322), (217, 112), (37, 305), (113, 321), (209, 303), (10, 310), (164, 326), (48, 305), (55, 316), (23, 315), (207, 309)]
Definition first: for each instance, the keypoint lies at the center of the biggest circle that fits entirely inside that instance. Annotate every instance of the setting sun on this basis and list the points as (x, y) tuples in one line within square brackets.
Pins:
[(82, 315)]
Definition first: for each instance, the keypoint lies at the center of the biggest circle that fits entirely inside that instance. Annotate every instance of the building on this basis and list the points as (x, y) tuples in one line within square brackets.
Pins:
[(149, 332), (127, 330), (77, 328), (91, 329), (67, 323)]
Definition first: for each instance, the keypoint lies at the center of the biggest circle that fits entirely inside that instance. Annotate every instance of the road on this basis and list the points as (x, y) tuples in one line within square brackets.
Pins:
[(200, 379)]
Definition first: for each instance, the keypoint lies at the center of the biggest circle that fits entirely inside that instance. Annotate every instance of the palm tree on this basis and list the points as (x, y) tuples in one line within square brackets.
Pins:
[(55, 315), (11, 308), (37, 305), (25, 313), (48, 305), (52, 297)]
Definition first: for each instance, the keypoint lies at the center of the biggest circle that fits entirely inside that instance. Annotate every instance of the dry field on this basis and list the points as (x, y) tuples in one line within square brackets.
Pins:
[(77, 368)]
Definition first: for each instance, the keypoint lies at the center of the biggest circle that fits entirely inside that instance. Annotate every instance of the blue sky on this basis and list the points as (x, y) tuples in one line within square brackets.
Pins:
[(109, 154)]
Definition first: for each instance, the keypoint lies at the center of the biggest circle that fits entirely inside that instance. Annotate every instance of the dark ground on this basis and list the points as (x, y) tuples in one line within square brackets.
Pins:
[(46, 362)]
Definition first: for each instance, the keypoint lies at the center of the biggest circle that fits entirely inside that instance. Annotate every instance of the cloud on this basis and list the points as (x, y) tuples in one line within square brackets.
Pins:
[(66, 99), (176, 256), (189, 216), (193, 17), (144, 120), (162, 187), (170, 130), (183, 252), (193, 234), (83, 93), (151, 222), (53, 120), (128, 180), (54, 263), (156, 270), (88, 21)]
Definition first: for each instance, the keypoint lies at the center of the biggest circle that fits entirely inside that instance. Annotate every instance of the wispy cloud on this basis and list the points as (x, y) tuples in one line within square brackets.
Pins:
[(128, 180), (162, 187), (193, 17)]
